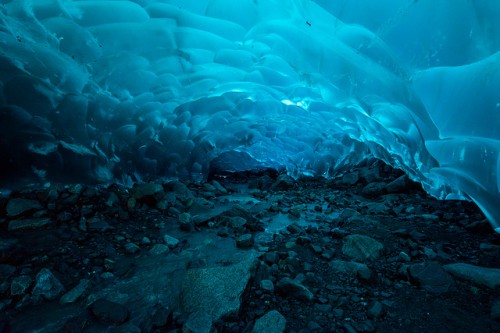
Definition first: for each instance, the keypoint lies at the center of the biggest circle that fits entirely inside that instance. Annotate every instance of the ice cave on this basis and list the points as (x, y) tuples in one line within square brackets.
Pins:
[(128, 92)]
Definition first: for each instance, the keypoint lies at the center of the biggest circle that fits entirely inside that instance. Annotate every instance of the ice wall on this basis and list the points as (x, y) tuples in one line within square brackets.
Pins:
[(108, 90)]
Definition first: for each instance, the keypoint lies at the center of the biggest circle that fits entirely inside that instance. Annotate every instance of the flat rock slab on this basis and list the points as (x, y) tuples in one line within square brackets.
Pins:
[(431, 277), (217, 290), (29, 224), (271, 322), (489, 277), (361, 247)]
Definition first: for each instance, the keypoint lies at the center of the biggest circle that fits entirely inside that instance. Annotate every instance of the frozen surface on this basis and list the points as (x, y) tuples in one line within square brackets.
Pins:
[(127, 90)]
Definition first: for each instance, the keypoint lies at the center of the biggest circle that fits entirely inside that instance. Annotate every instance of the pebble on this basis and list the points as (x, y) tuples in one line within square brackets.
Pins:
[(132, 248), (74, 294), (47, 285), (170, 241), (245, 241), (267, 285), (158, 249), (271, 322), (20, 284)]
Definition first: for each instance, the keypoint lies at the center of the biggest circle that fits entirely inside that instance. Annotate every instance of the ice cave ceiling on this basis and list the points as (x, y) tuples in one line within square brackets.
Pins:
[(107, 90)]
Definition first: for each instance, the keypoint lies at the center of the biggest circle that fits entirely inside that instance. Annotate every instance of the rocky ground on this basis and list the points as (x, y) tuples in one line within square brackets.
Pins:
[(368, 252)]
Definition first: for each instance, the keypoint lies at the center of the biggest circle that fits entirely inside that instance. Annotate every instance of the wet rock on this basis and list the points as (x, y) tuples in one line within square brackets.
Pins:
[(217, 290), (375, 310), (132, 248), (161, 317), (431, 277), (283, 183), (19, 206), (245, 241), (170, 241), (109, 312), (158, 249), (373, 190), (400, 185), (20, 285), (361, 247), (219, 187), (144, 190), (47, 285), (350, 178), (235, 222), (271, 322), (6, 271), (185, 222), (198, 322), (78, 291), (489, 277), (267, 285), (29, 224), (292, 288)]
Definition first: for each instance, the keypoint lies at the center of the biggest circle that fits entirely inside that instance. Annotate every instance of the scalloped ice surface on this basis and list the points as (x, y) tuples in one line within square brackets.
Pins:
[(107, 90)]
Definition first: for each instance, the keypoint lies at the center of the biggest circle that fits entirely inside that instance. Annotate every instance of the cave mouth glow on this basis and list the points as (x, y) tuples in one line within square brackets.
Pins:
[(103, 91)]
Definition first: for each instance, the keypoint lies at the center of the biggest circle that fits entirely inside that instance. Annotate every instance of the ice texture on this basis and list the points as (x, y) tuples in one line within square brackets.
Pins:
[(116, 90)]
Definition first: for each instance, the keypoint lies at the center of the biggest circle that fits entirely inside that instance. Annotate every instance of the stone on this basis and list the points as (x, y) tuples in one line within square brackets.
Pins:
[(219, 187), (19, 206), (399, 185), (171, 241), (361, 247), (161, 317), (373, 190), (293, 288), (271, 322), (47, 285), (283, 183), (158, 249), (236, 222), (431, 277), (146, 189), (20, 285), (350, 178), (198, 322), (74, 294), (375, 310), (132, 248), (109, 312), (347, 267), (267, 285), (29, 224), (245, 241), (489, 277), (217, 290), (185, 221), (6, 271)]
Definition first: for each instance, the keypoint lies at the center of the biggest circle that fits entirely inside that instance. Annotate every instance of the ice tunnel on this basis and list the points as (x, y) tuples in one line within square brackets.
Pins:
[(103, 91)]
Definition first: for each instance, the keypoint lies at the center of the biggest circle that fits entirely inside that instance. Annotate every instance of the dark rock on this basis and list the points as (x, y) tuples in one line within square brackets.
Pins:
[(109, 312), (132, 248), (74, 294), (6, 271), (292, 288), (29, 224), (489, 277), (400, 185), (267, 285), (283, 183), (373, 190), (170, 241), (161, 317), (361, 247), (375, 310), (495, 310), (217, 290), (144, 190), (245, 241), (47, 285), (20, 285), (19, 206), (350, 178), (431, 277), (271, 322), (198, 322), (159, 249)]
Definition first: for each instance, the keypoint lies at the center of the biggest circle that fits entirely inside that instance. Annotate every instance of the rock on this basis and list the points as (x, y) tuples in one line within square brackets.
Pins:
[(20, 285), (373, 190), (219, 187), (375, 310), (185, 221), (146, 189), (171, 241), (350, 178), (132, 248), (361, 247), (18, 206), (6, 271), (292, 288), (109, 312), (158, 249), (283, 183), (267, 285), (400, 185), (245, 241), (431, 277), (74, 294), (217, 290), (271, 322), (29, 224), (489, 277), (47, 285), (198, 322), (235, 222), (495, 310), (161, 317)]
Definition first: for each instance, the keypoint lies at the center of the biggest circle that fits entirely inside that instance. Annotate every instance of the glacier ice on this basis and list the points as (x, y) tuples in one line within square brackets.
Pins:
[(100, 90)]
